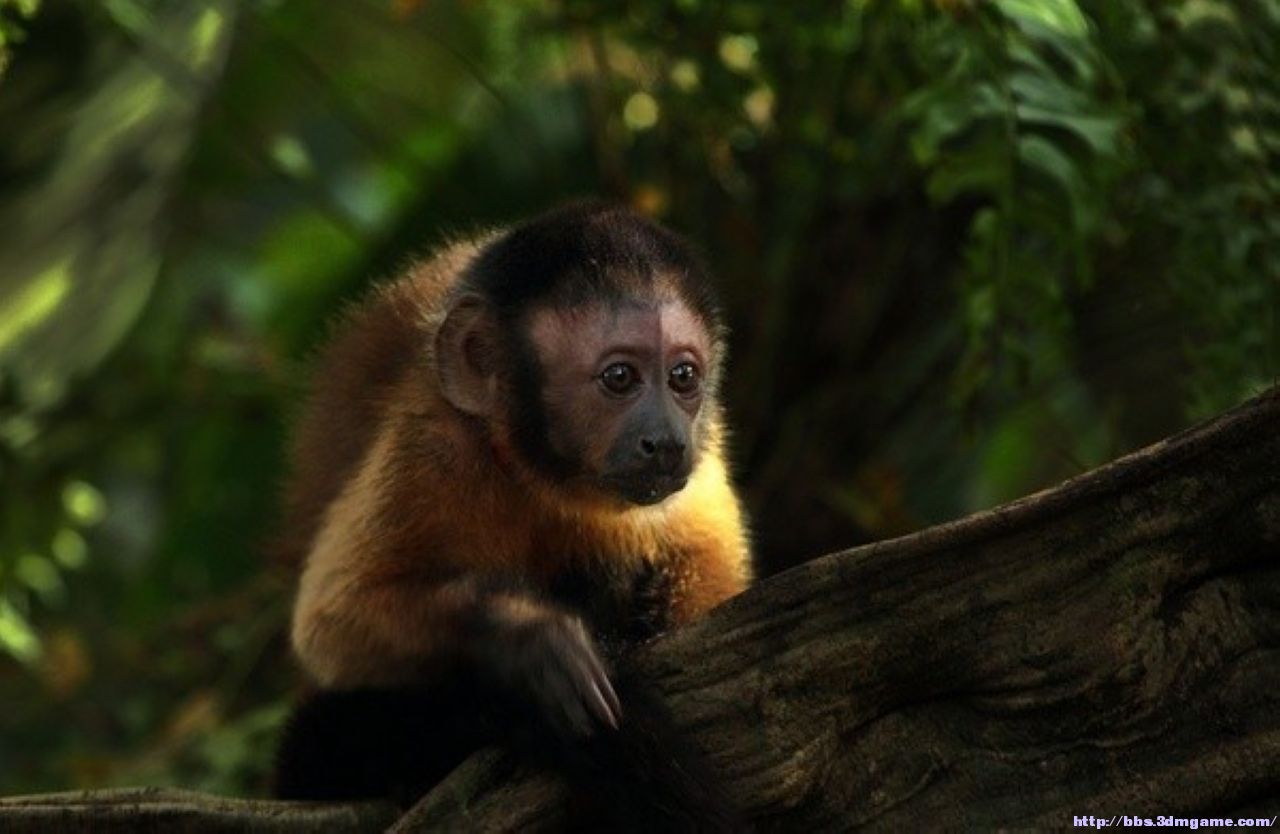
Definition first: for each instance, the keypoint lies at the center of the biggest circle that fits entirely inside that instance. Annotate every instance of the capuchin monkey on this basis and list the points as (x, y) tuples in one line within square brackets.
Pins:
[(510, 471)]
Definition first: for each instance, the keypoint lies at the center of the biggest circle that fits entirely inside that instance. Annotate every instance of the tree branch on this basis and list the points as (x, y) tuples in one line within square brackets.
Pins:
[(185, 812), (1110, 646)]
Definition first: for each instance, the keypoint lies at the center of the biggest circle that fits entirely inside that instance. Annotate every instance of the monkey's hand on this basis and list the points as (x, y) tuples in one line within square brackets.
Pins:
[(549, 659)]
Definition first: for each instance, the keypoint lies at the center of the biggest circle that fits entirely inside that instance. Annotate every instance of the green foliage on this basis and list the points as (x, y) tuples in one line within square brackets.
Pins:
[(968, 248), (12, 13), (1207, 193), (1020, 120)]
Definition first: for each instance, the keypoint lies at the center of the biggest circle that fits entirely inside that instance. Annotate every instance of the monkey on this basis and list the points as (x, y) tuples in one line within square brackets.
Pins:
[(510, 471)]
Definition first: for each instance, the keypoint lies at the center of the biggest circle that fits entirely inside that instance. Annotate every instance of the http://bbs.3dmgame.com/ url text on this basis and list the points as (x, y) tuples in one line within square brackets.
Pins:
[(1126, 821)]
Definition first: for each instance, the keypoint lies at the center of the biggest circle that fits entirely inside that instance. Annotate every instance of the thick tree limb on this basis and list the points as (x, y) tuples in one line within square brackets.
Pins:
[(1111, 646)]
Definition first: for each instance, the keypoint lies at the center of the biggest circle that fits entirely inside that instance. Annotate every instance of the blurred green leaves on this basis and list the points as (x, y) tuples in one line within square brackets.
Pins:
[(16, 635), (12, 15), (37, 575), (83, 503), (1020, 121)]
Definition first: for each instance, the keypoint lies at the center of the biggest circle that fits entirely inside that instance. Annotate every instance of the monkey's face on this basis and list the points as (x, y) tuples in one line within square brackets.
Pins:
[(615, 390)]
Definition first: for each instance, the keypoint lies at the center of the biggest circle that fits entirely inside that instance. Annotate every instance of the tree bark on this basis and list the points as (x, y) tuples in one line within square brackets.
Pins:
[(129, 810), (1108, 647)]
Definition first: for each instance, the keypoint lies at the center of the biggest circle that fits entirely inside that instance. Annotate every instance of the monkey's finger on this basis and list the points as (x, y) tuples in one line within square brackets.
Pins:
[(564, 705), (588, 674), (600, 677), (579, 722), (591, 683), (600, 705)]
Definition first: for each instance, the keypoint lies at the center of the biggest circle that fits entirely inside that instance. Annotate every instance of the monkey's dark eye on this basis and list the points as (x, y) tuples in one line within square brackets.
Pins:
[(619, 378), (684, 379)]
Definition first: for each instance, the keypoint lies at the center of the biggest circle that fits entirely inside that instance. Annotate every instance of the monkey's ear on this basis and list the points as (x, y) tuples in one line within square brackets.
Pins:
[(467, 357)]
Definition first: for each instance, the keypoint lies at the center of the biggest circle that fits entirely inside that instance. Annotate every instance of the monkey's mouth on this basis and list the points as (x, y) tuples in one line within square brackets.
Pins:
[(647, 490)]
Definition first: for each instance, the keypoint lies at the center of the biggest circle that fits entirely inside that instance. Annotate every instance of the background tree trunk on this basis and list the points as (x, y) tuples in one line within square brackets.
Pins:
[(1110, 646)]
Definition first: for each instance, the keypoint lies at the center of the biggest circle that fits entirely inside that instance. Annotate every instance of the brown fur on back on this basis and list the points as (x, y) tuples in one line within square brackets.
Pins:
[(373, 346)]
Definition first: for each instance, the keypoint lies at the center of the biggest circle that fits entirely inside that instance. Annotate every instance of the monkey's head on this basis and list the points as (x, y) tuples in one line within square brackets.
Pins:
[(589, 342)]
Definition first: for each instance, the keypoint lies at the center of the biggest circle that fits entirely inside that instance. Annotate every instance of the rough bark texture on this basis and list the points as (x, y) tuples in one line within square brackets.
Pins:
[(165, 810), (1111, 646)]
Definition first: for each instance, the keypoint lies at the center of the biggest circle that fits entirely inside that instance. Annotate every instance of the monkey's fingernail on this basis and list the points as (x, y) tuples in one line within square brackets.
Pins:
[(601, 706), (615, 706)]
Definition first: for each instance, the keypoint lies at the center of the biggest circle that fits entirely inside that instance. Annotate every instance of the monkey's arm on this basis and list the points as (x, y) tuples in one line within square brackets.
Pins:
[(396, 630)]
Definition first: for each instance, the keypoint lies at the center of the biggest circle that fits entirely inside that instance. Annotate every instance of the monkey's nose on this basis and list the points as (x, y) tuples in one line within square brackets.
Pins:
[(664, 454)]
